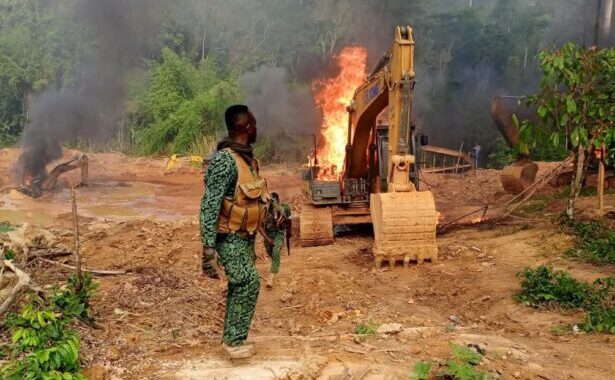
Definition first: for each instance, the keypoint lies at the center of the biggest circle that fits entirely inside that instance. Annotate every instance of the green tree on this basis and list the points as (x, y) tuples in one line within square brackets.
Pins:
[(575, 99), (180, 104), (38, 49)]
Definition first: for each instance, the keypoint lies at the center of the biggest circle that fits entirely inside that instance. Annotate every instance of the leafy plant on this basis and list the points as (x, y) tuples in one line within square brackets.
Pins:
[(4, 228), (369, 328), (542, 287), (421, 371), (9, 254), (462, 366), (42, 345), (574, 101), (595, 241)]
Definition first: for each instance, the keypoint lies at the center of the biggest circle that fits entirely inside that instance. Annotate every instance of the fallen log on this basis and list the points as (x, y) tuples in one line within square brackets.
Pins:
[(48, 253), (23, 281)]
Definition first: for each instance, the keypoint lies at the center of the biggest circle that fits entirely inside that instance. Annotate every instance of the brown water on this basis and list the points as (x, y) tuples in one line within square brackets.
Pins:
[(109, 200)]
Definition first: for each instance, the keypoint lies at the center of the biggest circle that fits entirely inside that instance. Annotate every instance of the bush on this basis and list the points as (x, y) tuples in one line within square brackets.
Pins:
[(43, 346), (180, 105), (542, 287), (595, 241), (369, 328), (462, 366)]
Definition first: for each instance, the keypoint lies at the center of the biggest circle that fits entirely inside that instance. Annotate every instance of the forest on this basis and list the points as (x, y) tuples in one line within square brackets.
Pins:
[(169, 69)]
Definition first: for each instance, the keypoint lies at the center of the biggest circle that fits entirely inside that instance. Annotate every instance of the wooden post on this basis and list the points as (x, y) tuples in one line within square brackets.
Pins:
[(76, 237), (601, 180), (459, 157)]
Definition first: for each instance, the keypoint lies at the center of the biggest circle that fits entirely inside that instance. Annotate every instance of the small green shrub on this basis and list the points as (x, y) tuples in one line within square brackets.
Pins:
[(9, 254), (421, 371), (542, 287), (595, 241), (369, 328), (462, 366), (4, 228), (43, 346)]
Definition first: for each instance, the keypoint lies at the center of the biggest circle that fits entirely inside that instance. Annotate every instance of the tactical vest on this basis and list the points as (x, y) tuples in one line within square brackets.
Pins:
[(243, 213)]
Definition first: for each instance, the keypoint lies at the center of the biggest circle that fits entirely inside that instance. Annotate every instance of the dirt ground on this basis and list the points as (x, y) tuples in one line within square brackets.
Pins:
[(163, 319)]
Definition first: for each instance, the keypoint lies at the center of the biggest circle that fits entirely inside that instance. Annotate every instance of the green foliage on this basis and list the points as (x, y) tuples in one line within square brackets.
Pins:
[(368, 328), (38, 49), (542, 287), (9, 254), (421, 371), (595, 241), (181, 104), (43, 346), (575, 98), (462, 366), (501, 156), (5, 227)]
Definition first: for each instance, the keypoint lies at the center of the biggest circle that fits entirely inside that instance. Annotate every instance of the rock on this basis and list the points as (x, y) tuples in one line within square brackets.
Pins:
[(286, 297), (390, 328), (96, 373), (455, 319), (410, 301), (517, 374)]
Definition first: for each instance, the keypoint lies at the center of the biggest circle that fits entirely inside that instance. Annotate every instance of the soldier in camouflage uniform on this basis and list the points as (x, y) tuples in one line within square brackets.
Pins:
[(276, 222), (232, 210)]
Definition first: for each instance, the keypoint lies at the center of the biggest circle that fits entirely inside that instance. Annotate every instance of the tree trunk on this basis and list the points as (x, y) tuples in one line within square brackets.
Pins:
[(606, 22), (577, 180)]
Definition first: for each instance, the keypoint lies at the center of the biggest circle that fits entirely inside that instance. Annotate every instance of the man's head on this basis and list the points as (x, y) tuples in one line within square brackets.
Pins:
[(240, 123)]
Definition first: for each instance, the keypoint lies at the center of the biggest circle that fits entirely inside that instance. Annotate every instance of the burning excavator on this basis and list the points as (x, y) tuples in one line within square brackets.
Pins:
[(33, 185), (379, 182)]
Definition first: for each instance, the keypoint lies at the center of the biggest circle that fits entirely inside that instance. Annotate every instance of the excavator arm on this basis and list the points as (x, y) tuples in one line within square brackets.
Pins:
[(390, 85), (403, 218)]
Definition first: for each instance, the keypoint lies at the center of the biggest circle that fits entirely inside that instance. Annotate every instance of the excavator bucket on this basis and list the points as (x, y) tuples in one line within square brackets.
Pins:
[(519, 176), (404, 227)]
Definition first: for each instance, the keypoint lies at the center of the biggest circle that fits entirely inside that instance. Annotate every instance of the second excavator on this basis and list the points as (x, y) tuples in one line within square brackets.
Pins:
[(380, 180)]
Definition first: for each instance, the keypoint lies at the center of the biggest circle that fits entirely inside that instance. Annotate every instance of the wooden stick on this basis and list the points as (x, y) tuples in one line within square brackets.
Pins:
[(601, 186), (92, 271), (47, 253), (459, 157), (76, 231)]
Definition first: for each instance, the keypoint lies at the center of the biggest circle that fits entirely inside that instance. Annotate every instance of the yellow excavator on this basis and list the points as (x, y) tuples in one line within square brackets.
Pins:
[(380, 181)]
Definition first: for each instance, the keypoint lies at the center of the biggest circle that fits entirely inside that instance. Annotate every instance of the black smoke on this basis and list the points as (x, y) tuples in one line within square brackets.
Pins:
[(122, 32)]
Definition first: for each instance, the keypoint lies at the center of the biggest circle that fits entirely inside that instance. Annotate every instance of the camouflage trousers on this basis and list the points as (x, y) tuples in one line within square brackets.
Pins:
[(237, 256), (274, 251)]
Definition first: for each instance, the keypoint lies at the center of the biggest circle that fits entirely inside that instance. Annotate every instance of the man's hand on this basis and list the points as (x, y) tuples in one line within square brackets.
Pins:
[(211, 268)]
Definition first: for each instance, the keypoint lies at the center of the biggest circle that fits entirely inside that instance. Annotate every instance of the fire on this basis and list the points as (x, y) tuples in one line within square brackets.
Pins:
[(332, 96)]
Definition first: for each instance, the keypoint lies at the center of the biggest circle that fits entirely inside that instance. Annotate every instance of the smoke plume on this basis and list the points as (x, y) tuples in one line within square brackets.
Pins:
[(121, 30), (277, 106)]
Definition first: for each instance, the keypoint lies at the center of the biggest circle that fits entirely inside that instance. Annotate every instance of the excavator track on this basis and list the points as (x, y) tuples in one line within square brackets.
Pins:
[(404, 227), (316, 226)]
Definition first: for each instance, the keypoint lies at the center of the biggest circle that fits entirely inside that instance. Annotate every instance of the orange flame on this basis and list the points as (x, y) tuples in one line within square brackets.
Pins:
[(332, 96)]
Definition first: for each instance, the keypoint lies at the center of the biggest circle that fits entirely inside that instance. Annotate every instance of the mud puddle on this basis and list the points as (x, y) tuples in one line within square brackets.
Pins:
[(110, 200)]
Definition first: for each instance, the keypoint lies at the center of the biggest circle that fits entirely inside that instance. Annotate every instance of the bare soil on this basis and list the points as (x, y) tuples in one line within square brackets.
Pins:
[(163, 319)]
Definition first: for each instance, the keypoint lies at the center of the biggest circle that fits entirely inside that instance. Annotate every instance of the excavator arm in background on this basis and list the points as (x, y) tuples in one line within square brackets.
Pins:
[(521, 174)]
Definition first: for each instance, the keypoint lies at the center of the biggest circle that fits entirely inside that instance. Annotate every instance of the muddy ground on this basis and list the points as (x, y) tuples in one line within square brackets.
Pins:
[(162, 320)]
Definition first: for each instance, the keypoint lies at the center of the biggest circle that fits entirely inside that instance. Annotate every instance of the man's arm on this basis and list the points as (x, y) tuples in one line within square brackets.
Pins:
[(220, 176)]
